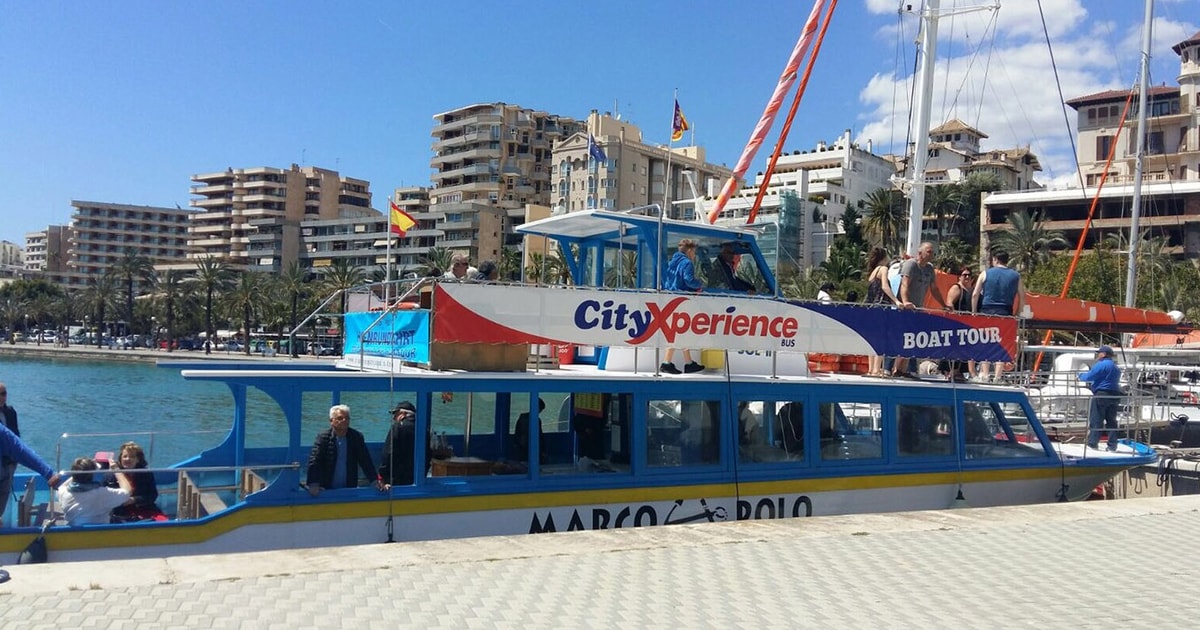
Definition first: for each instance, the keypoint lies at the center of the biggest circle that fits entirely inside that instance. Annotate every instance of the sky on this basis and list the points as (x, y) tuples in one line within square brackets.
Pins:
[(122, 102)]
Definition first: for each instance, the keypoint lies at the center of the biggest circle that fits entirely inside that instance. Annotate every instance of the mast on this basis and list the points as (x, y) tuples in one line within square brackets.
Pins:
[(916, 209), (1139, 158)]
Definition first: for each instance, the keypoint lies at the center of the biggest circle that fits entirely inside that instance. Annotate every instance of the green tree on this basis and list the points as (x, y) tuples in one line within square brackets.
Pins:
[(248, 297), (852, 227), (132, 268), (1027, 241), (99, 297), (340, 277), (955, 253), (213, 277), (970, 192), (436, 258), (622, 273), (172, 292), (885, 219), (12, 311), (942, 202), (510, 263), (293, 285)]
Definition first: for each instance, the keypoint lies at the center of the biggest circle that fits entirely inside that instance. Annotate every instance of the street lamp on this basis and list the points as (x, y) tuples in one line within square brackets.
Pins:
[(26, 327), (153, 333)]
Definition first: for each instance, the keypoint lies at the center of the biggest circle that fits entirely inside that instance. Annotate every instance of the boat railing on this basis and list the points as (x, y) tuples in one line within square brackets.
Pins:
[(194, 497), (151, 439)]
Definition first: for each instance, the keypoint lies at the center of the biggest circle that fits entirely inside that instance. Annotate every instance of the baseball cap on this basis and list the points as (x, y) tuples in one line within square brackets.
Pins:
[(405, 405), (1105, 350)]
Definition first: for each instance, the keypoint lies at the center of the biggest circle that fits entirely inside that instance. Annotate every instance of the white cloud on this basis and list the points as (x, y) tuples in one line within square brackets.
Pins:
[(1005, 85)]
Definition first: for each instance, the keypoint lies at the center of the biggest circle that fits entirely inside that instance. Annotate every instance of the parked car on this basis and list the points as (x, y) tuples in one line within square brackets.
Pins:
[(325, 351)]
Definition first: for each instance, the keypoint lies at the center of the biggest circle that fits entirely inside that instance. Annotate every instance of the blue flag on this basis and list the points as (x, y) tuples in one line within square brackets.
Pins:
[(595, 151)]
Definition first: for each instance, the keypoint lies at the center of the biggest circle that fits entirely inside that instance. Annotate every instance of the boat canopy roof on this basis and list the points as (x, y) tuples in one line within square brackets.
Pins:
[(599, 234)]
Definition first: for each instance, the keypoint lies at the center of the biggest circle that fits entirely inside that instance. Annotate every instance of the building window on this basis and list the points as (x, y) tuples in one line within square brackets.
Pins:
[(1103, 146)]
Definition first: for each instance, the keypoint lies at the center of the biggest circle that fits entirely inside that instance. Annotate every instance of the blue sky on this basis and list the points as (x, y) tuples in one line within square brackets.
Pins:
[(123, 101)]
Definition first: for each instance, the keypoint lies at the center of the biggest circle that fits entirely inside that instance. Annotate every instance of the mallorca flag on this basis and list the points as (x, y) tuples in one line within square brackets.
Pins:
[(399, 221), (595, 151), (679, 124)]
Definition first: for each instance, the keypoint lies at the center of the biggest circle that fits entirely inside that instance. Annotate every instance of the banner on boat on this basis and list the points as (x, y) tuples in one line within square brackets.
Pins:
[(478, 313), (400, 334)]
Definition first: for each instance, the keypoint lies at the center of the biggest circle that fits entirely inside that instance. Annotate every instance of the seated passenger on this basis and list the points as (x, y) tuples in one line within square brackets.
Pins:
[(143, 488), (976, 430), (726, 272), (520, 439), (749, 426), (789, 427), (84, 501)]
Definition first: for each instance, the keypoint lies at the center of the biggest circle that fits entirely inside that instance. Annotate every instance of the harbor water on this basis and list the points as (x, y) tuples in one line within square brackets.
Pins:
[(71, 407)]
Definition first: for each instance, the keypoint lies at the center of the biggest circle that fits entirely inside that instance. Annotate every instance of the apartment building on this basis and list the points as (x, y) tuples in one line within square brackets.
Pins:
[(252, 216), (808, 192), (955, 154), (490, 160), (634, 173), (12, 259), (46, 250), (1170, 166)]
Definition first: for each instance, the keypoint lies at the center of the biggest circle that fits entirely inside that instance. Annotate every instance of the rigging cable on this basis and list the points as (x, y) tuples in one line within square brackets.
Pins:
[(1067, 119), (787, 123)]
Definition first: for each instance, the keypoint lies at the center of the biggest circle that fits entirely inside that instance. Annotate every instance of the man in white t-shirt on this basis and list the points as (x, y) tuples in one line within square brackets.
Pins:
[(460, 268), (87, 502)]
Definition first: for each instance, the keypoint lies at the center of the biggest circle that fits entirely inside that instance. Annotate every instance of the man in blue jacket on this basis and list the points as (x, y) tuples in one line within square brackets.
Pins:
[(12, 448), (1104, 379)]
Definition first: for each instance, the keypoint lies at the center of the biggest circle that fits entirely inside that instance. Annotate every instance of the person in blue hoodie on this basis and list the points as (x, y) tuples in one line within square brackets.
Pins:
[(681, 277), (12, 448), (1104, 379)]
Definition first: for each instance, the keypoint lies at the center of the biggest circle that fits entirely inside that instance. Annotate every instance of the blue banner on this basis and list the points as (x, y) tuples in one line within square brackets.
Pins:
[(400, 334)]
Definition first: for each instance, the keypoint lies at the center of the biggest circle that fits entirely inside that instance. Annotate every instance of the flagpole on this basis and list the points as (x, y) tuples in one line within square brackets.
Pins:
[(666, 188), (387, 269)]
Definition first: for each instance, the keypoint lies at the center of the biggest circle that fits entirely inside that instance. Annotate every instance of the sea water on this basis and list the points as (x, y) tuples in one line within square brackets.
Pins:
[(71, 407)]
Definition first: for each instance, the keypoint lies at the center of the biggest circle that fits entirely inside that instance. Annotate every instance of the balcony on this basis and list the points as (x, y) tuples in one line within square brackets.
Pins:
[(212, 189), (211, 202)]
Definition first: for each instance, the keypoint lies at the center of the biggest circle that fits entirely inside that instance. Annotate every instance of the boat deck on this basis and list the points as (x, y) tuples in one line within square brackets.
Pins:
[(915, 569)]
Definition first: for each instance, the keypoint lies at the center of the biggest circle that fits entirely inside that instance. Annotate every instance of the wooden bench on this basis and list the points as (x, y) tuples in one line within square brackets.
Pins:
[(29, 514), (251, 482), (196, 502)]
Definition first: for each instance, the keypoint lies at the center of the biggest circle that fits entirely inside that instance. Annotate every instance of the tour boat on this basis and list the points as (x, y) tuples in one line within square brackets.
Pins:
[(609, 439)]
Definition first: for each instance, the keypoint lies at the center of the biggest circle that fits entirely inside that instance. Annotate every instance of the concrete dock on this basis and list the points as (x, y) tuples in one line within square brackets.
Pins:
[(1102, 564)]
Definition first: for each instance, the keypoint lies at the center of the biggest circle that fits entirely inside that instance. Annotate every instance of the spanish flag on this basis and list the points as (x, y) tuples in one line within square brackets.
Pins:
[(679, 124), (399, 221)]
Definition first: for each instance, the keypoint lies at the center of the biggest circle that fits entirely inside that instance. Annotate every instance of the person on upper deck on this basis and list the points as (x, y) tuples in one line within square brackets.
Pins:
[(917, 281), (13, 449), (1104, 379), (488, 272), (85, 501), (823, 294), (879, 291), (998, 291), (399, 447), (681, 276), (337, 454), (143, 488), (460, 268), (726, 275)]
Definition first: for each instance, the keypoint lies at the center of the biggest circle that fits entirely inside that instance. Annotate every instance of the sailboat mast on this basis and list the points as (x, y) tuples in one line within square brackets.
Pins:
[(916, 209), (1139, 158)]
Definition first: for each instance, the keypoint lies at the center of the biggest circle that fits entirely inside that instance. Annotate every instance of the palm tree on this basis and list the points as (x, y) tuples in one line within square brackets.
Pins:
[(213, 276), (98, 296), (293, 284), (510, 263), (954, 254), (885, 218), (247, 298), (69, 306), (942, 201), (132, 267), (436, 258), (844, 264), (171, 290), (623, 271), (1027, 242), (11, 311), (342, 276)]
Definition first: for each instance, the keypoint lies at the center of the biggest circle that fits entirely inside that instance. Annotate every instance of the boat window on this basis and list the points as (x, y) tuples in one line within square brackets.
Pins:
[(988, 433), (463, 440), (925, 430), (582, 432), (683, 433), (770, 431), (849, 430)]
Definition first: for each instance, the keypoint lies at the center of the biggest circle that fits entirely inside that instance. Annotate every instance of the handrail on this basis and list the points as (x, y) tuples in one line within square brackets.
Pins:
[(58, 447), (191, 469)]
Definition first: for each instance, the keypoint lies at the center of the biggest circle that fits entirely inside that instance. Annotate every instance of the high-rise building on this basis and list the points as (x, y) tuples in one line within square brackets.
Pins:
[(1170, 167), (252, 216), (634, 173), (490, 160), (46, 250)]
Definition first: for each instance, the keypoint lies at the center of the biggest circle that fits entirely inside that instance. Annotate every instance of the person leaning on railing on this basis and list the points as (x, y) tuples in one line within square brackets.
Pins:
[(12, 448)]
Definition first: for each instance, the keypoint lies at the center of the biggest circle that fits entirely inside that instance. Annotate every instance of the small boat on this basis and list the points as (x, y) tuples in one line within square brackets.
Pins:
[(608, 439)]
